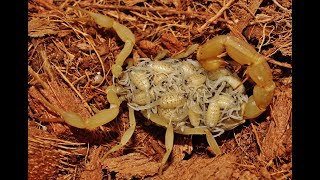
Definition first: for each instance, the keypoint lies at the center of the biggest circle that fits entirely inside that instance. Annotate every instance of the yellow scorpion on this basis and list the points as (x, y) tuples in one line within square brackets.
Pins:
[(207, 55)]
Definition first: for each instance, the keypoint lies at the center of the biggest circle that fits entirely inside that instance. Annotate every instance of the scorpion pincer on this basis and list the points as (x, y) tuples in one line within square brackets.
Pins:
[(184, 96), (258, 69)]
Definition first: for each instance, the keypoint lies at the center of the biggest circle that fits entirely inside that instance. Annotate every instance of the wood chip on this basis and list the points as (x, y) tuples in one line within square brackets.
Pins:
[(277, 139), (123, 166), (199, 167), (172, 43), (93, 169)]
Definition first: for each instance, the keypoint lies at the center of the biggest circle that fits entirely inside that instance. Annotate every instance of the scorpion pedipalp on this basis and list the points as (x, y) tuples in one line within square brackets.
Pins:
[(258, 69), (124, 33), (99, 119)]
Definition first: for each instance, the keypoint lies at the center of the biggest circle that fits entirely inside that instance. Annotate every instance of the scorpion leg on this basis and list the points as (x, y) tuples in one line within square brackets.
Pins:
[(106, 115), (169, 137), (258, 69), (124, 33), (194, 118), (229, 124), (186, 131), (127, 134), (99, 119), (169, 144), (155, 118), (200, 131)]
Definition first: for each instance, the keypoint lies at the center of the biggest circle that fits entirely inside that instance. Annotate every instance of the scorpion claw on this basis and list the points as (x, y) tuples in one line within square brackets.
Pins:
[(258, 69), (124, 33), (252, 110), (213, 64), (99, 119)]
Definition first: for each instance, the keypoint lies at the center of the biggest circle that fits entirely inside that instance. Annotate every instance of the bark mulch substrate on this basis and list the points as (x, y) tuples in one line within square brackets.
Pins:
[(66, 49)]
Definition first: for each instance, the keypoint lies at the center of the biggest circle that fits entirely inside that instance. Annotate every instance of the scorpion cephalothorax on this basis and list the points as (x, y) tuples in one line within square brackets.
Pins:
[(184, 96)]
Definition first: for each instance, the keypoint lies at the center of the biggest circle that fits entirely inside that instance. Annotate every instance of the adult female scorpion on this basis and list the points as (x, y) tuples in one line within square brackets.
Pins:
[(150, 88)]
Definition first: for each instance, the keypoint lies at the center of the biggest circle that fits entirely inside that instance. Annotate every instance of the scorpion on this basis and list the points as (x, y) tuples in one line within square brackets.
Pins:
[(184, 96)]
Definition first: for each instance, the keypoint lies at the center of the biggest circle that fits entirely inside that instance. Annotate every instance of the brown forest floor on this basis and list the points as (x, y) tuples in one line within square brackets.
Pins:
[(66, 49)]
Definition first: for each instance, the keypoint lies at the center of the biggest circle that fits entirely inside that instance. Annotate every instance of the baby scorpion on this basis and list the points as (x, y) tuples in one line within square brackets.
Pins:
[(208, 97)]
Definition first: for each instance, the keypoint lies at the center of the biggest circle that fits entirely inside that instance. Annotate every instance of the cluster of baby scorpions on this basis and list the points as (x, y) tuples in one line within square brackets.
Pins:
[(184, 96)]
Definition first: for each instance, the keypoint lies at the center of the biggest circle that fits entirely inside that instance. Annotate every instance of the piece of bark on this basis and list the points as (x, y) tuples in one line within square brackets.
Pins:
[(278, 139), (93, 169), (199, 167), (59, 96), (43, 159), (245, 18), (172, 43), (49, 157), (131, 165)]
